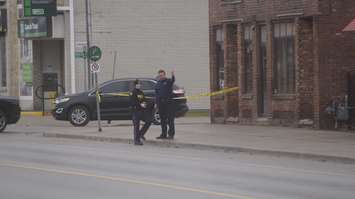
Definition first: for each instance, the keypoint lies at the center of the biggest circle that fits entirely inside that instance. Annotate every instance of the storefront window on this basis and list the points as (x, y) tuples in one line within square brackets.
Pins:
[(26, 78)]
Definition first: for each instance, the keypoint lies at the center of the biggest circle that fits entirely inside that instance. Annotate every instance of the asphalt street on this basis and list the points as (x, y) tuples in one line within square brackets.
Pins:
[(34, 167)]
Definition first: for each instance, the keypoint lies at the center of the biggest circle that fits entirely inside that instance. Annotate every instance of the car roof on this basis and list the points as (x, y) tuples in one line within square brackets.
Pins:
[(129, 79)]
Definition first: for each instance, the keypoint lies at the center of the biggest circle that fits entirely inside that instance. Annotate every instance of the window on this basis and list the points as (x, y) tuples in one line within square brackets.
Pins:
[(226, 2), (220, 57), (115, 87), (248, 60), (147, 85), (26, 69), (284, 63), (2, 62)]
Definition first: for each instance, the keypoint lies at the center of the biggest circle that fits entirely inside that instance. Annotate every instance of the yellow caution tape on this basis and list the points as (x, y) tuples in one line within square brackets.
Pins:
[(98, 96), (193, 97), (210, 94)]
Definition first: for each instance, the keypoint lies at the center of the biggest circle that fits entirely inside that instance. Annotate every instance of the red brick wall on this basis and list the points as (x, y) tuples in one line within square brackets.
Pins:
[(324, 56), (336, 54), (304, 70), (261, 9)]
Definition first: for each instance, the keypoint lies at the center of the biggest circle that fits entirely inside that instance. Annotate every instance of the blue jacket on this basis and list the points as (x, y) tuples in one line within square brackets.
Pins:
[(164, 89)]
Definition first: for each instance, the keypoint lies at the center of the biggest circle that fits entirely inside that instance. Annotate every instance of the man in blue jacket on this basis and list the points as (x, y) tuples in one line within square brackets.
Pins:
[(165, 104)]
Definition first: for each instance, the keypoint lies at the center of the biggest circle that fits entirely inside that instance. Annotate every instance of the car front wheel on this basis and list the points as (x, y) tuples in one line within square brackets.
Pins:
[(3, 121), (79, 116)]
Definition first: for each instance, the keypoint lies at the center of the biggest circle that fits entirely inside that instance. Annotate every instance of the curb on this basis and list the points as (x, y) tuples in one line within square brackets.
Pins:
[(236, 149)]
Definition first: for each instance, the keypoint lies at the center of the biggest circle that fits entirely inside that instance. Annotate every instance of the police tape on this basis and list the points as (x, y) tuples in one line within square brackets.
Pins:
[(192, 97), (210, 94)]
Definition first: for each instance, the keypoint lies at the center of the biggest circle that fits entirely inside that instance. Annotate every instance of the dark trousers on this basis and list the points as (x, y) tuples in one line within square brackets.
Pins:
[(167, 118), (138, 133)]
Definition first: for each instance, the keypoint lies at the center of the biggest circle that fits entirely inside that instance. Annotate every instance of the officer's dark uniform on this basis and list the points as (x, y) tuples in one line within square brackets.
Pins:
[(140, 113), (166, 107)]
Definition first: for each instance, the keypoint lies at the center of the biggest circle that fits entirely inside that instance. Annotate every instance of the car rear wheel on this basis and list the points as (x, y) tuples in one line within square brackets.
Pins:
[(79, 116), (3, 121)]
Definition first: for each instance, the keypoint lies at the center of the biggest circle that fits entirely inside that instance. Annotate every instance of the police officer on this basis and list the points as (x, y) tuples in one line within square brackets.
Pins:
[(139, 105), (165, 104)]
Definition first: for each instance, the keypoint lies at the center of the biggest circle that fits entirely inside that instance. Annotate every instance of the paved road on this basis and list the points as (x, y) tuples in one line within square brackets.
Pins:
[(33, 167)]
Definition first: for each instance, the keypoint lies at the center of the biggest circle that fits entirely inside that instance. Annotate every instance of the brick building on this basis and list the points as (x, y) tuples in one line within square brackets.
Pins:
[(290, 58)]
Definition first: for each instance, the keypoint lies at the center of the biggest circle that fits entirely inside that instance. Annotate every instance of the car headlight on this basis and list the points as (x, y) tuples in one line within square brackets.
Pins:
[(62, 100)]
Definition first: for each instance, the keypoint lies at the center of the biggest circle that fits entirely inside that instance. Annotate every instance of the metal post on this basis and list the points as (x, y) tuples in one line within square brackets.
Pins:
[(98, 101), (114, 65), (43, 101)]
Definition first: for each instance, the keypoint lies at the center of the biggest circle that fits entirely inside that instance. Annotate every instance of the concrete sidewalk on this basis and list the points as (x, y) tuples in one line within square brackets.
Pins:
[(198, 133)]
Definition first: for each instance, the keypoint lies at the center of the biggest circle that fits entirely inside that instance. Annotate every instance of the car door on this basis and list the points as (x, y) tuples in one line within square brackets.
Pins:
[(115, 100), (148, 87)]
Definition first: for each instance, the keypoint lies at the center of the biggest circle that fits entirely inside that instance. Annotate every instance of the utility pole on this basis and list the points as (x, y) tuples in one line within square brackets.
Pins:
[(88, 43), (12, 48)]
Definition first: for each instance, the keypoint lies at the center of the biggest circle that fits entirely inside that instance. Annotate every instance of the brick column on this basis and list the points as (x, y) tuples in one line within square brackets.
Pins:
[(304, 69), (316, 70)]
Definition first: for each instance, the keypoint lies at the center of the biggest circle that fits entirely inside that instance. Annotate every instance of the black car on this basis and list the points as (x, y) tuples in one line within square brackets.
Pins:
[(80, 108), (10, 111)]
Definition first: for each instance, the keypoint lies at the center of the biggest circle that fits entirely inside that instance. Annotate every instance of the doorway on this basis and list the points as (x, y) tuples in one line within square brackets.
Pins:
[(351, 96), (262, 80), (49, 64)]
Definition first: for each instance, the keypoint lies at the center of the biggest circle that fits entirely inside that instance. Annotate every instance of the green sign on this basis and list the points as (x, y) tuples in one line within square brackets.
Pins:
[(40, 8), (27, 75), (94, 53), (80, 55), (34, 27)]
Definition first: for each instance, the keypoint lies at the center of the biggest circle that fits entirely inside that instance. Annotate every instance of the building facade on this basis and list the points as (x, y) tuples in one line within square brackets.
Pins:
[(43, 56), (290, 59), (35, 54), (140, 37)]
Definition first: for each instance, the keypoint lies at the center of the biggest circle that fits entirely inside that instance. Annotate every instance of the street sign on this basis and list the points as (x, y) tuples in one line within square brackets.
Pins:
[(80, 55), (95, 67), (94, 53), (44, 8)]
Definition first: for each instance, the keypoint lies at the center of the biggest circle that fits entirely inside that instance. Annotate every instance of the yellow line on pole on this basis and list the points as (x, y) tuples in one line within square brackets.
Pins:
[(125, 180)]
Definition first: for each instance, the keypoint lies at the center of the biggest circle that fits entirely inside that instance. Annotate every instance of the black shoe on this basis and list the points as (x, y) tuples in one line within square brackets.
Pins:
[(138, 143), (143, 138), (162, 138), (170, 138)]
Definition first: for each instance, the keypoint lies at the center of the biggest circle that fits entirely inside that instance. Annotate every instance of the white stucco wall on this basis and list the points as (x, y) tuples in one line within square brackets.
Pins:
[(149, 35)]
